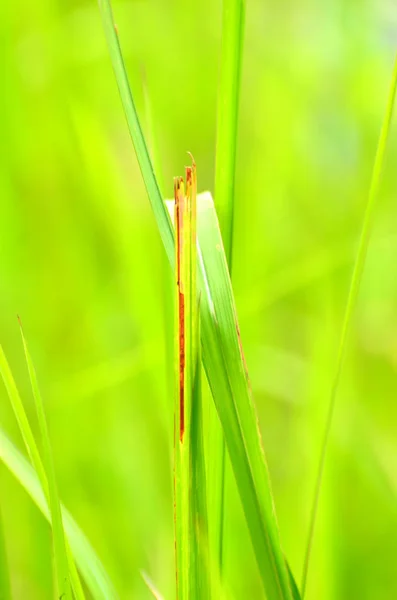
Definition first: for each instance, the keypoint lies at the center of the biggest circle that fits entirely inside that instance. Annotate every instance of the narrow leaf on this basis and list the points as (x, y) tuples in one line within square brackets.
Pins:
[(225, 171), (227, 120), (350, 305), (60, 552), (91, 568)]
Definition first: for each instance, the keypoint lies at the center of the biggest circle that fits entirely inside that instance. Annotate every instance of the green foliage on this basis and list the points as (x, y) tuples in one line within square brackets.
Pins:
[(83, 263)]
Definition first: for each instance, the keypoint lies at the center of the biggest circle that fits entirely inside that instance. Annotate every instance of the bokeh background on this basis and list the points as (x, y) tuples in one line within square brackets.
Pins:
[(82, 263)]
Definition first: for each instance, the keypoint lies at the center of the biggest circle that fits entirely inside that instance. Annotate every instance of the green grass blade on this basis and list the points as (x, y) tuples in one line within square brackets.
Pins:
[(141, 149), (350, 305), (183, 396), (226, 150), (227, 375), (23, 423), (190, 489), (202, 565), (228, 105), (60, 552), (91, 568), (5, 586)]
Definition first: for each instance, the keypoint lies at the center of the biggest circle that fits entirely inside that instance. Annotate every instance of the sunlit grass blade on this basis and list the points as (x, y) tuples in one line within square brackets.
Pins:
[(225, 167), (350, 305), (60, 552), (5, 586), (91, 568)]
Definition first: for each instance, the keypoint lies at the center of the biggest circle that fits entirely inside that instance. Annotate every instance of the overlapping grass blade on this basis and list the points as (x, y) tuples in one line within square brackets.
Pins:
[(35, 458), (221, 358), (350, 305), (226, 150), (190, 488), (5, 586), (228, 378), (91, 568), (60, 551), (37, 464)]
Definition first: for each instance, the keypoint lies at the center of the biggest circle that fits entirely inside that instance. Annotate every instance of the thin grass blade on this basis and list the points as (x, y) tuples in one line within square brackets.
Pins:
[(141, 149), (228, 108), (91, 568), (60, 551), (225, 168), (36, 461), (190, 489), (350, 305)]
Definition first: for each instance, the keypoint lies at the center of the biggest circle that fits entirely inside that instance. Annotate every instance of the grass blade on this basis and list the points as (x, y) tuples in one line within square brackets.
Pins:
[(38, 466), (184, 390), (190, 489), (5, 586), (227, 375), (226, 149), (141, 149), (350, 305), (91, 568), (60, 552), (228, 105)]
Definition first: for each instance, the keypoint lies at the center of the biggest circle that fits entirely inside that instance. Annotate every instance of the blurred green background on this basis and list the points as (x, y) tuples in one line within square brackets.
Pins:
[(82, 263)]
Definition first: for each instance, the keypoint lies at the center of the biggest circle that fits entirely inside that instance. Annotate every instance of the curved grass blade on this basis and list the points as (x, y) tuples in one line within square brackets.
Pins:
[(91, 568), (225, 166), (5, 586), (60, 552), (350, 305)]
